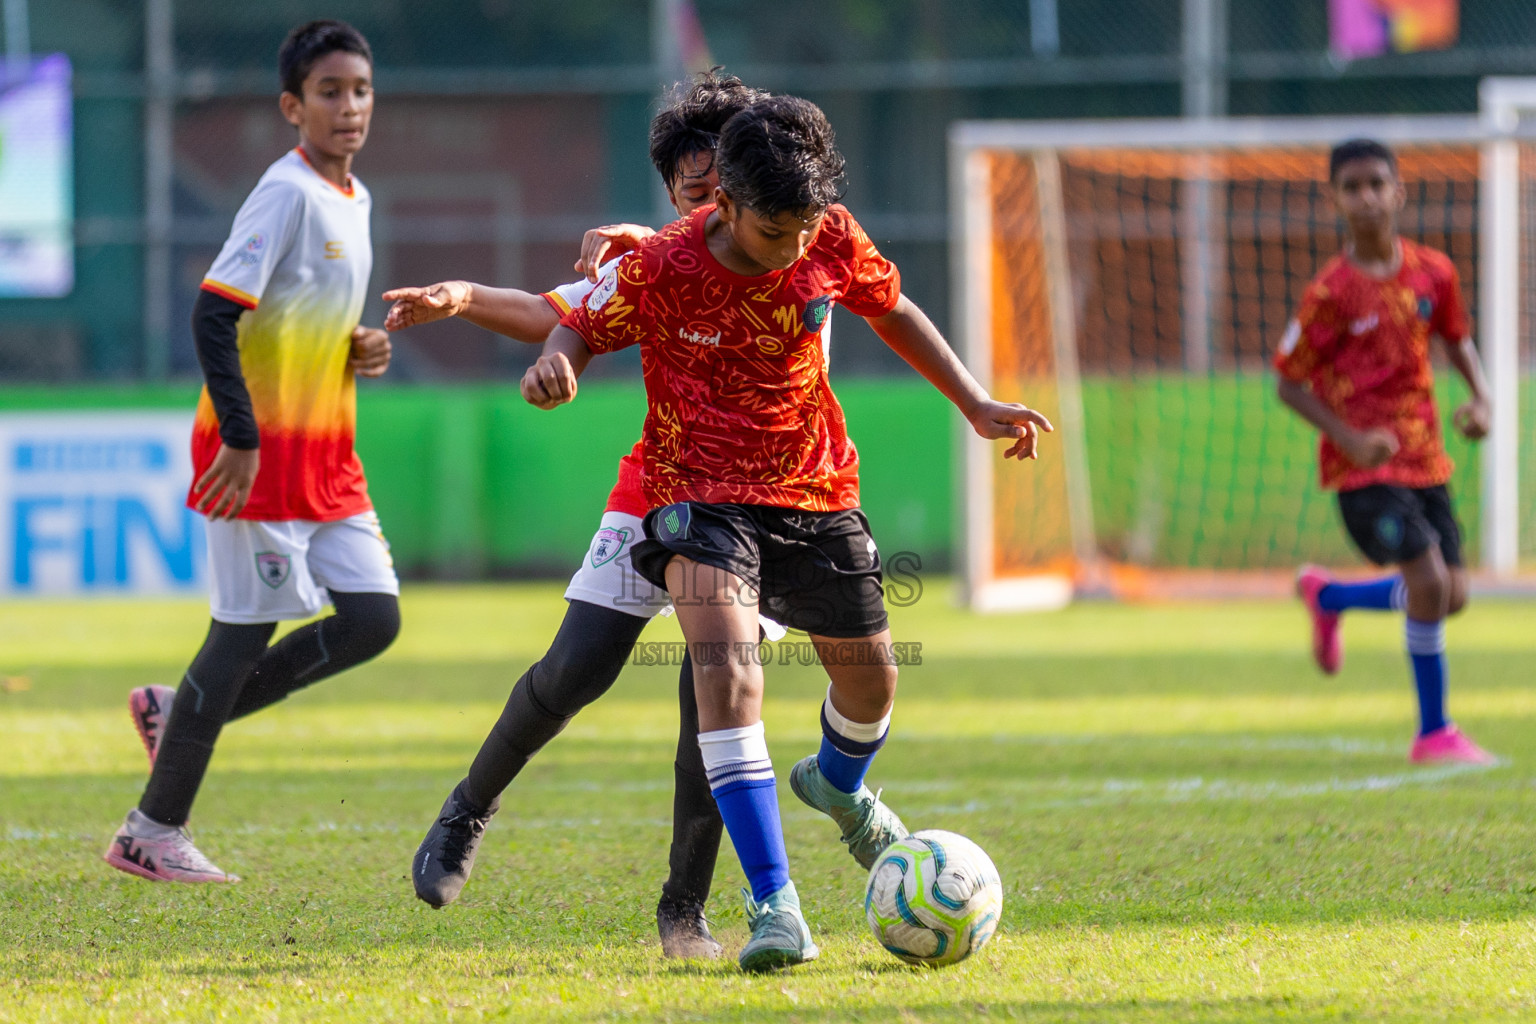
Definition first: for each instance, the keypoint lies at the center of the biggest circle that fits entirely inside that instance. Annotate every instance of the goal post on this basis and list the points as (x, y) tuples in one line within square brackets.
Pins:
[(1509, 183), (1131, 279)]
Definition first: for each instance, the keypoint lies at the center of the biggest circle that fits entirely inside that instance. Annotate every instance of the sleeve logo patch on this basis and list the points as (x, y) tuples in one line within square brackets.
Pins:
[(604, 291), (254, 247)]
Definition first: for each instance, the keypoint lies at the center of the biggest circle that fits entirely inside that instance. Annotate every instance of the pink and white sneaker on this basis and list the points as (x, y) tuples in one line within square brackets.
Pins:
[(150, 707), (160, 853), (1448, 745), (1327, 645)]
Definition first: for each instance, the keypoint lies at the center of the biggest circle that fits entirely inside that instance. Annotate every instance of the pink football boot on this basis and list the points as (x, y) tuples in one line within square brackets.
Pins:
[(150, 707), (1327, 645), (160, 853), (1448, 745)]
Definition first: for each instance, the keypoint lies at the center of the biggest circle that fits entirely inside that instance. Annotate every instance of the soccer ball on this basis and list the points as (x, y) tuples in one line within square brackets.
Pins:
[(934, 898)]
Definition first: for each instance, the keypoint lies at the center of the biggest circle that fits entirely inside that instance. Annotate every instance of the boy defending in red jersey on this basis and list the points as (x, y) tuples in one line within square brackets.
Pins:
[(752, 478), (1355, 364)]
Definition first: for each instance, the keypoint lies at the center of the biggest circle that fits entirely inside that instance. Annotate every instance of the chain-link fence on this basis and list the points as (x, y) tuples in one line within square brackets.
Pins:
[(506, 127)]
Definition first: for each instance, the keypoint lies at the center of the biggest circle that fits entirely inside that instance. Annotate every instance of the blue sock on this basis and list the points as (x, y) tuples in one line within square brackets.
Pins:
[(1386, 594), (741, 779), (1426, 651), (848, 748)]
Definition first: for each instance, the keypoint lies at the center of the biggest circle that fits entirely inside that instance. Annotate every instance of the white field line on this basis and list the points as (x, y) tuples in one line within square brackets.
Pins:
[(1109, 791), (1113, 791)]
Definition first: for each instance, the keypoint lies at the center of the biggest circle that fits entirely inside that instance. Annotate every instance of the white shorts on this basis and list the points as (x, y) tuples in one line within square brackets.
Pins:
[(270, 571), (607, 579)]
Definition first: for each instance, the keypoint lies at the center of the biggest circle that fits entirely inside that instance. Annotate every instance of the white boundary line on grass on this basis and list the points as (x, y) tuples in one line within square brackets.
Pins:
[(1112, 791)]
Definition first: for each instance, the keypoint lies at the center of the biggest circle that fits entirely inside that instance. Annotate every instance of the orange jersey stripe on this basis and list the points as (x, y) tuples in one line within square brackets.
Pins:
[(232, 294)]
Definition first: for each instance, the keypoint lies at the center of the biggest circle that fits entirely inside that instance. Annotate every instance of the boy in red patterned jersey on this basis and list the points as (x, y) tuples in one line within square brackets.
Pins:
[(752, 478), (1355, 364), (609, 605)]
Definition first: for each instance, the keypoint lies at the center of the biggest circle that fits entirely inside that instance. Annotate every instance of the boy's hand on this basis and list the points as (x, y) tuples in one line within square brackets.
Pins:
[(994, 420), (224, 489), (413, 306), (549, 382), (1473, 419), (597, 243), (370, 351), (1369, 448)]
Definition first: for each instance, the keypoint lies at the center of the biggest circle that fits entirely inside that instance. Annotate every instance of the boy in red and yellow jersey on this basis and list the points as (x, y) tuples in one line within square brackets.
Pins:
[(752, 478), (1355, 364), (290, 525)]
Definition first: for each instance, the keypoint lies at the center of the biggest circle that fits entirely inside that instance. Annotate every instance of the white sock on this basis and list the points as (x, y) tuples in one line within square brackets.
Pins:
[(145, 827), (859, 732)]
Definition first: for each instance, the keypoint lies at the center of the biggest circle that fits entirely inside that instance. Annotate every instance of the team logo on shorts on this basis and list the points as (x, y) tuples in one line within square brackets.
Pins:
[(816, 313), (608, 543), (273, 568), (1389, 530), (676, 520)]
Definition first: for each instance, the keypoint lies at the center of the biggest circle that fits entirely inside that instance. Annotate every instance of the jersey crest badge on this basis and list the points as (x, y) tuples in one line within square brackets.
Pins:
[(816, 313), (1426, 307), (608, 543), (273, 568)]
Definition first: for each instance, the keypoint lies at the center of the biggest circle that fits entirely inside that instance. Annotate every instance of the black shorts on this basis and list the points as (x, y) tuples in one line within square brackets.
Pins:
[(1391, 525), (813, 571)]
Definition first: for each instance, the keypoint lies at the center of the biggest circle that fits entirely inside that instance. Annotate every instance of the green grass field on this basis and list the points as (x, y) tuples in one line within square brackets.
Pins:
[(1191, 824)]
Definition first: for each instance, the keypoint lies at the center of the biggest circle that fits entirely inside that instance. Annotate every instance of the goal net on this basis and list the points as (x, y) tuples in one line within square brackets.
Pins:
[(1132, 279)]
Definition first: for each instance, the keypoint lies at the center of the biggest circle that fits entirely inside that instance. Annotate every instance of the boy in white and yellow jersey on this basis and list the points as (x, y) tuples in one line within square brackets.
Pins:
[(290, 524)]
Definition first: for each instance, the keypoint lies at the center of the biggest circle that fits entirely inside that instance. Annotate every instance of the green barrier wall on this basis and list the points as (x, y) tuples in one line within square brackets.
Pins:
[(473, 481), (1205, 472)]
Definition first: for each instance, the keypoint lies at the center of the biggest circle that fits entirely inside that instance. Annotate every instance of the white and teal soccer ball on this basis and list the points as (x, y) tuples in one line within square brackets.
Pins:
[(934, 898)]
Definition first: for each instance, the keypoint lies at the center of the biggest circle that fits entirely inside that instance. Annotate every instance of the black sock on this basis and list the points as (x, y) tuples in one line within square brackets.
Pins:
[(581, 664), (696, 820), (207, 692), (363, 626)]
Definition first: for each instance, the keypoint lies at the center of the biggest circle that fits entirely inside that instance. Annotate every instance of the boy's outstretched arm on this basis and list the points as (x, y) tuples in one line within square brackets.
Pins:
[(1475, 416), (551, 380), (911, 335), (1365, 448), (517, 314)]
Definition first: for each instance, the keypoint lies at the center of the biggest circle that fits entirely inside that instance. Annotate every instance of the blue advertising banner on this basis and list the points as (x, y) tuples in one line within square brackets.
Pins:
[(96, 503)]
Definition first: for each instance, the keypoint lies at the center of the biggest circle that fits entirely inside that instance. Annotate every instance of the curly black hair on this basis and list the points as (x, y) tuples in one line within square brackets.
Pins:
[(780, 156), (691, 122)]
